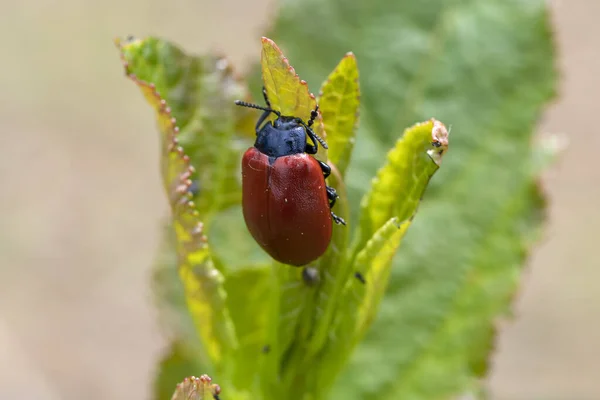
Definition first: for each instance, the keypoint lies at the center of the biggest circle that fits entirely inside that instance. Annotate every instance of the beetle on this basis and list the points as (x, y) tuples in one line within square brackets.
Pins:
[(285, 200)]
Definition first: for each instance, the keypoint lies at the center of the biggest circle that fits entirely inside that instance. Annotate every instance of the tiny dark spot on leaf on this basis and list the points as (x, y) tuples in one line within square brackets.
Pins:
[(310, 276), (360, 277)]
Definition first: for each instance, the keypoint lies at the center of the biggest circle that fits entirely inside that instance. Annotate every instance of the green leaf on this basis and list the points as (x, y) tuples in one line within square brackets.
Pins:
[(249, 290), (200, 92), (186, 355), (358, 302), (338, 102), (168, 293), (396, 192), (232, 243), (203, 283), (399, 185), (475, 66), (374, 264)]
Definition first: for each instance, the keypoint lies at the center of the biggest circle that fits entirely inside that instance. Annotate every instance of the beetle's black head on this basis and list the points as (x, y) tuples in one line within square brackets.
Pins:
[(283, 137), (286, 123), (286, 135)]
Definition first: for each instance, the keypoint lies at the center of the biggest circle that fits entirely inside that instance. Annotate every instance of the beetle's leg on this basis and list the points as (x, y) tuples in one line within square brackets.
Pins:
[(331, 195), (264, 90), (337, 220), (311, 148), (325, 168)]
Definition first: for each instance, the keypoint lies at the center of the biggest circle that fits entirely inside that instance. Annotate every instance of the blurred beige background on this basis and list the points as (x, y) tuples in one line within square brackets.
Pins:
[(76, 239)]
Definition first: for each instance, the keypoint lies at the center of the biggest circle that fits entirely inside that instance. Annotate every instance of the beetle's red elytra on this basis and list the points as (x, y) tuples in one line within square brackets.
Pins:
[(285, 200)]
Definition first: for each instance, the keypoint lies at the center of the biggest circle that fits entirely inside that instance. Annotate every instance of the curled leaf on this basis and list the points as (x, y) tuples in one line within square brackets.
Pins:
[(200, 91), (203, 283), (399, 185)]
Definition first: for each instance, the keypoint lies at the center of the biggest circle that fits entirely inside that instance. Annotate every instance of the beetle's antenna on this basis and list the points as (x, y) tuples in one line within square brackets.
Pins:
[(312, 133), (320, 139), (311, 121), (313, 115), (256, 106)]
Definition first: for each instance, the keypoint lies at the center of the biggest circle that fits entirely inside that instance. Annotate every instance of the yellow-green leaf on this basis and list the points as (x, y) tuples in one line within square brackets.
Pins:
[(339, 105), (248, 301), (374, 263), (399, 185), (200, 91), (285, 90), (396, 192), (359, 301), (203, 283)]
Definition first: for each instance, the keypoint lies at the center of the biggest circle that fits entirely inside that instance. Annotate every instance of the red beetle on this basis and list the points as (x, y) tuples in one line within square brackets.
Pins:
[(286, 203)]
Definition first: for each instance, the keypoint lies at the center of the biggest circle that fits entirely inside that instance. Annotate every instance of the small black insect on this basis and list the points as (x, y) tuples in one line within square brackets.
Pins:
[(360, 277)]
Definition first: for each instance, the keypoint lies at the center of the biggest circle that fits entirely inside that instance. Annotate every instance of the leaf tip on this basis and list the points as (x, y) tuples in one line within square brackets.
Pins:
[(439, 141), (194, 388), (268, 45), (122, 42), (350, 64)]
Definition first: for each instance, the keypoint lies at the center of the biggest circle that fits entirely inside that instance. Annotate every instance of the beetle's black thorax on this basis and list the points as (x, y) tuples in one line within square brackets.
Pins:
[(283, 137)]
